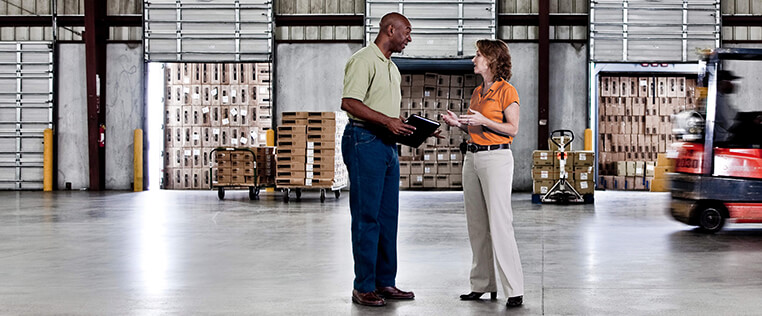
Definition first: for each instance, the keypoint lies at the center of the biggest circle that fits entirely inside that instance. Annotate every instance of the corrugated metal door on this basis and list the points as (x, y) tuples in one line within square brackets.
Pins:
[(441, 28), (26, 109), (647, 30), (212, 30)]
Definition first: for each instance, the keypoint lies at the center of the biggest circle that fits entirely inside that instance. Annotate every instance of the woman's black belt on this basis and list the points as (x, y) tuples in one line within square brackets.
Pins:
[(477, 148)]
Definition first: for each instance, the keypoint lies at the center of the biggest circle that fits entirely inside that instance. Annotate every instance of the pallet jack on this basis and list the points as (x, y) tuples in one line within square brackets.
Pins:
[(562, 191)]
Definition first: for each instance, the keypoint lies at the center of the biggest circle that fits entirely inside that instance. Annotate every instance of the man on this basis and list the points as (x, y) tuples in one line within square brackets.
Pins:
[(371, 98)]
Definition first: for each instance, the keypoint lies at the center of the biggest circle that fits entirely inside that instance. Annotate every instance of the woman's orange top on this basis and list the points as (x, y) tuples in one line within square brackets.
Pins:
[(500, 95)]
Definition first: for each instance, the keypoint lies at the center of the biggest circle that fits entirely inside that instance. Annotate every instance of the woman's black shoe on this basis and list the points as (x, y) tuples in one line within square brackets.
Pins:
[(477, 295), (515, 301)]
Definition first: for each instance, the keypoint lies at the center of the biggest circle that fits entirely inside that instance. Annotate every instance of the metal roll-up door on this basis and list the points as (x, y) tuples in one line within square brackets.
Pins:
[(210, 30), (646, 30), (26, 110), (441, 28)]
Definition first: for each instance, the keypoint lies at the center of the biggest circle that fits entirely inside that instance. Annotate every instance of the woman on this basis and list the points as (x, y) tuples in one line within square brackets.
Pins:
[(491, 122)]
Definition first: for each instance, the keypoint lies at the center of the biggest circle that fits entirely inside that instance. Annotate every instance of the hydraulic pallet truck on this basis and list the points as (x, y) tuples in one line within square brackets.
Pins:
[(562, 191)]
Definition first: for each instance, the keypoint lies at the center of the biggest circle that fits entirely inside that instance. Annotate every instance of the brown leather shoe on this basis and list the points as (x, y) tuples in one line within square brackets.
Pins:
[(394, 293), (367, 299)]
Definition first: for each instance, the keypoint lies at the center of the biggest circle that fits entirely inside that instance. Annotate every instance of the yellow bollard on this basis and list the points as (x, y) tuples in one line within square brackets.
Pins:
[(137, 161), (588, 139), (270, 137), (47, 160)]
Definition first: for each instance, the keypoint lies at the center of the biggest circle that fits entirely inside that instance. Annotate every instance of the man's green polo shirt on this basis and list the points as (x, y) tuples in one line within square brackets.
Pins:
[(374, 80)]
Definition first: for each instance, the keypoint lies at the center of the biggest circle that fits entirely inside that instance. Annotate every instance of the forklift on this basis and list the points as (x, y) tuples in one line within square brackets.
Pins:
[(718, 167)]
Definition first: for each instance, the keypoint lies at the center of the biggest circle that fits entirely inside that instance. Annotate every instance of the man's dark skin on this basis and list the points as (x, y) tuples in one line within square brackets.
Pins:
[(392, 38)]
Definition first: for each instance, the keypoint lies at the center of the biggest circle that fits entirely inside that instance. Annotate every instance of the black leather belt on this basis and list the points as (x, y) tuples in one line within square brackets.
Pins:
[(477, 148), (360, 124)]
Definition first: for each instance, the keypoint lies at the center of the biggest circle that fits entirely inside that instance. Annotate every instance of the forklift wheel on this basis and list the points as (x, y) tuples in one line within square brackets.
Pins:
[(710, 218), (589, 198), (536, 199)]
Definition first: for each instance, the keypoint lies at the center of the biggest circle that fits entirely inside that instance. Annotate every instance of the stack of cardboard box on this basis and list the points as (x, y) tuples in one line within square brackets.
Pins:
[(660, 182), (579, 168), (430, 95), (309, 150), (210, 106), (439, 168), (325, 164), (265, 165), (234, 168), (291, 152), (634, 126)]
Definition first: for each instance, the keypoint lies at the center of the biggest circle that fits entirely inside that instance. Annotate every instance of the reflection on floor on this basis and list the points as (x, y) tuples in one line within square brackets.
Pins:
[(189, 253)]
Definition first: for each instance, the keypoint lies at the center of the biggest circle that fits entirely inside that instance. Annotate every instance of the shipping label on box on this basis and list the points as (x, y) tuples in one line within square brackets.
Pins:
[(584, 187), (544, 173), (542, 158)]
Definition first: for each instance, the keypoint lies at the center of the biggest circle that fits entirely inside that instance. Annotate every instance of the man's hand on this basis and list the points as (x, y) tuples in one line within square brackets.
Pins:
[(437, 134), (397, 127)]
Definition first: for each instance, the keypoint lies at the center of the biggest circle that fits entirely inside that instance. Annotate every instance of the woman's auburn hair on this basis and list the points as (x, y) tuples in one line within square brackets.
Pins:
[(498, 57)]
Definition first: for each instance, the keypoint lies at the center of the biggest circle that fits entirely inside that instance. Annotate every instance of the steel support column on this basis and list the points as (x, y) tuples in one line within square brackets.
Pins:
[(543, 75), (96, 34)]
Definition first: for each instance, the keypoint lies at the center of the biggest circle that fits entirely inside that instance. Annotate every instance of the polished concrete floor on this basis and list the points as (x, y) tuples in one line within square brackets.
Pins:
[(187, 253)]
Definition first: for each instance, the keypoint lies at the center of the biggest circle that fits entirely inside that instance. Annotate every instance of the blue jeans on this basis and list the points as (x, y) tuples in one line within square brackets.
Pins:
[(374, 176)]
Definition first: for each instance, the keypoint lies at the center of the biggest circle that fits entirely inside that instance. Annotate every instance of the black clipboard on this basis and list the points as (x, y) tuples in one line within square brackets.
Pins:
[(423, 129)]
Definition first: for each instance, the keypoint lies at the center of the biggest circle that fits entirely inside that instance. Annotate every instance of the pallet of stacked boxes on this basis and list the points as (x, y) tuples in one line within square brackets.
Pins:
[(309, 153), (436, 164), (546, 172), (634, 127), (233, 168)]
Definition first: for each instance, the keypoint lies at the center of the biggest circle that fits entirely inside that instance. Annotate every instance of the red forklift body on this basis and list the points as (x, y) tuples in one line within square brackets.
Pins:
[(728, 162)]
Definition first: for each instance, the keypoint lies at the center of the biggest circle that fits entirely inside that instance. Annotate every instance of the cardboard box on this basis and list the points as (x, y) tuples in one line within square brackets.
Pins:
[(544, 173), (430, 79), (624, 86), (542, 186), (583, 158), (404, 167), (443, 181), (416, 167), (585, 174), (659, 185), (619, 183), (605, 86), (416, 179), (543, 158), (404, 181), (429, 167), (456, 81), (456, 181), (559, 139), (429, 155), (650, 168), (621, 168), (456, 167), (640, 167), (584, 187), (429, 181), (443, 167)]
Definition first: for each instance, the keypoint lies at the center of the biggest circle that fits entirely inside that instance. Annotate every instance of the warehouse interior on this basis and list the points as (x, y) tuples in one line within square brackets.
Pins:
[(184, 156)]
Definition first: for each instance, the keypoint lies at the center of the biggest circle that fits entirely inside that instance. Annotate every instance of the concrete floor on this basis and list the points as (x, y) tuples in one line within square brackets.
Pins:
[(185, 253)]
